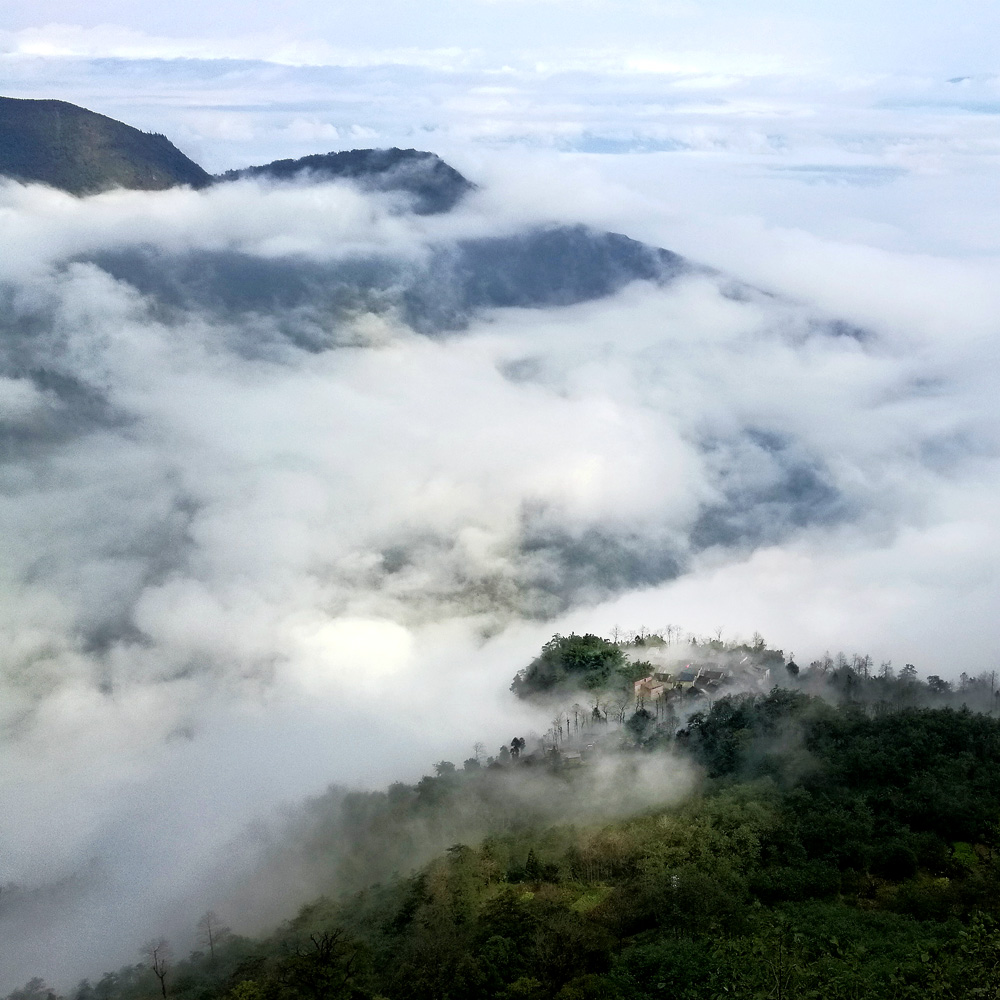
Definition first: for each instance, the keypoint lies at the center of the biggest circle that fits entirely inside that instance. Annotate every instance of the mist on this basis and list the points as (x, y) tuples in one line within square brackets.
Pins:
[(266, 535)]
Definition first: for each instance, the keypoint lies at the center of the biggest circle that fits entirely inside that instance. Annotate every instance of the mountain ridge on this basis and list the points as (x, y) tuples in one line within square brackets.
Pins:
[(82, 152), (434, 185)]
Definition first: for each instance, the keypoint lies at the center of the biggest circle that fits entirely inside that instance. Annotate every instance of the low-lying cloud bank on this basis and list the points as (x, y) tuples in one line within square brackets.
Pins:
[(294, 480)]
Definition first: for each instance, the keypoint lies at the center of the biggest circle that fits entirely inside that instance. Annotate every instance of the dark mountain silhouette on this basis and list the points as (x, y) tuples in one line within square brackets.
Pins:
[(434, 185), (540, 268), (79, 151), (536, 269), (82, 152)]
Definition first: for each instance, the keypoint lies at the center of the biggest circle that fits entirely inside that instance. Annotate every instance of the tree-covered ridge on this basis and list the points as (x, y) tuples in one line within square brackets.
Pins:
[(605, 672), (832, 851), (434, 185), (589, 663), (82, 152), (574, 662)]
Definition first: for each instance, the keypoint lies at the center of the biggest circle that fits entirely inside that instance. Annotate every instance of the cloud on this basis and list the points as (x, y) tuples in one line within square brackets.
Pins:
[(847, 33), (111, 41), (272, 520), (802, 119)]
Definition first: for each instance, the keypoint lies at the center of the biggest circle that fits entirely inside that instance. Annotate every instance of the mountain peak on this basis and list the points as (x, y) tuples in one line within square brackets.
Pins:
[(434, 185), (82, 152)]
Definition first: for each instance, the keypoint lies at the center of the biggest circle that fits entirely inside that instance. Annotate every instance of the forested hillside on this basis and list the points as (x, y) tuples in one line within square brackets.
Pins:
[(434, 185), (76, 150), (775, 844)]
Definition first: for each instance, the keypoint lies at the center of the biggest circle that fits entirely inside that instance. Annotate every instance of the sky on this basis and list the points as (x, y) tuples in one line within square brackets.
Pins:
[(239, 568)]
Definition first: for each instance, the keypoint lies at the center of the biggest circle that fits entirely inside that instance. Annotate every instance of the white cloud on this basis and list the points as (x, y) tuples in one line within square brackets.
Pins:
[(281, 562), (270, 555), (113, 41)]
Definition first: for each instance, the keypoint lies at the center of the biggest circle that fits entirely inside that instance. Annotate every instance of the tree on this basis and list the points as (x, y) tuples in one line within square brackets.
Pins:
[(248, 989), (640, 724), (34, 989), (567, 662), (211, 932), (621, 703), (157, 953), (322, 967), (532, 867), (557, 729)]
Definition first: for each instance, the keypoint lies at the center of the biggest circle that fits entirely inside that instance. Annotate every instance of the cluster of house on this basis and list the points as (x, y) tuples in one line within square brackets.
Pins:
[(702, 677)]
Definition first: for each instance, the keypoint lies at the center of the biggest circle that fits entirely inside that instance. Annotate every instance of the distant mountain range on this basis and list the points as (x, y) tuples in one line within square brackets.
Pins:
[(456, 280), (269, 305), (81, 152), (76, 150)]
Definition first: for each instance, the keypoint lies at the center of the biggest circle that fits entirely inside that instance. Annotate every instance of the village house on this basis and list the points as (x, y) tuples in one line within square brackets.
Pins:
[(649, 688), (704, 677)]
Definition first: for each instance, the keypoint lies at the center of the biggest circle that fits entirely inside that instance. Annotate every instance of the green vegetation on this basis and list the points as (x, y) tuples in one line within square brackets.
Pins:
[(572, 662), (835, 847), (81, 152)]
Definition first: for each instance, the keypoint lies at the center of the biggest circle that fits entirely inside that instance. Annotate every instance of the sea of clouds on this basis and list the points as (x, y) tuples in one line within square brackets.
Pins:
[(258, 541)]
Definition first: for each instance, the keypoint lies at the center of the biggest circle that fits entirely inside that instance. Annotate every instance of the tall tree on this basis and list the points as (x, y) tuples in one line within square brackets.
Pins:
[(210, 932), (157, 953)]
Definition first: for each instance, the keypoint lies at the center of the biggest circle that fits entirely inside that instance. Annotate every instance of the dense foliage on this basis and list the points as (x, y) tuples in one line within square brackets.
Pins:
[(570, 662), (76, 150), (832, 851)]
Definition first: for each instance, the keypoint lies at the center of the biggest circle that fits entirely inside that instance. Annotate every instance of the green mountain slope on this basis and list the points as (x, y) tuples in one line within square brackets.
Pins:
[(827, 853), (79, 151)]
